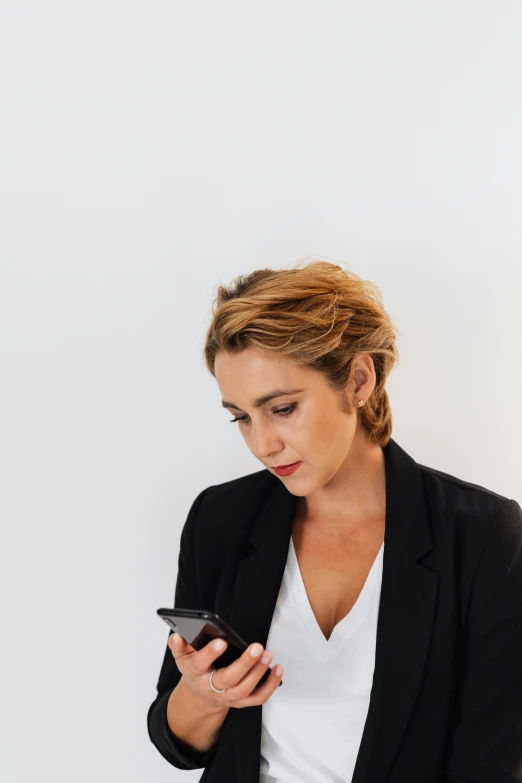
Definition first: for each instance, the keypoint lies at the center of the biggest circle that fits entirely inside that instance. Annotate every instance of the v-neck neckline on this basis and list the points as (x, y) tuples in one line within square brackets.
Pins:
[(325, 649)]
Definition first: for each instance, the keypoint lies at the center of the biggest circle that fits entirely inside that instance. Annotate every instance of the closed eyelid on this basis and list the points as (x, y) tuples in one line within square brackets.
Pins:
[(261, 401), (284, 411)]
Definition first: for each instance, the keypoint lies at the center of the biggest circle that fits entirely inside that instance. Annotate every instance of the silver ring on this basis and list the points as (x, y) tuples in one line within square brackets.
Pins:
[(218, 690)]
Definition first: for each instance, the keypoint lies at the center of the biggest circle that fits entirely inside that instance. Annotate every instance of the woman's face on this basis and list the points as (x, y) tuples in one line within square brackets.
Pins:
[(308, 425)]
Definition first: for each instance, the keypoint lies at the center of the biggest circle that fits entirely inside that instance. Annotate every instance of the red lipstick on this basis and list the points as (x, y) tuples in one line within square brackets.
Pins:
[(286, 470)]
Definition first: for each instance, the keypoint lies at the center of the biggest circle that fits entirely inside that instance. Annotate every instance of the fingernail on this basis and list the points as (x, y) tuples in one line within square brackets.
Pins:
[(175, 637)]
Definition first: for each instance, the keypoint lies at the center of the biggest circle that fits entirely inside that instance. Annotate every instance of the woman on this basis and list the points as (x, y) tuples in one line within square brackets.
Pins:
[(391, 592)]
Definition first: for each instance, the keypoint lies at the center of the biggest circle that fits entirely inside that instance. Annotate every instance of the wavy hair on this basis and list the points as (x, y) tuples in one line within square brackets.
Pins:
[(317, 315)]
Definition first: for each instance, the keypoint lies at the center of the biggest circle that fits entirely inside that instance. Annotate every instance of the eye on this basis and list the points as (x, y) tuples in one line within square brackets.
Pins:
[(283, 412)]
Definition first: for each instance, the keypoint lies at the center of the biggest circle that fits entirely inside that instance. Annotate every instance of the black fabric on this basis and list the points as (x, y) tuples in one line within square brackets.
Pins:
[(446, 698)]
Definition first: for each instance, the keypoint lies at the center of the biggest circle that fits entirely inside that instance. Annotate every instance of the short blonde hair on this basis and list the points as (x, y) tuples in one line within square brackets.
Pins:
[(319, 316)]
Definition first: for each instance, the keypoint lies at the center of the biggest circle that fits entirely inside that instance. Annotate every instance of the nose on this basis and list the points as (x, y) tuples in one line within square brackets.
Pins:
[(265, 444)]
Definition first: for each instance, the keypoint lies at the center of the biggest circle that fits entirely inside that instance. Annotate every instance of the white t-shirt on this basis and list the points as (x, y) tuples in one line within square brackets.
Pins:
[(312, 725)]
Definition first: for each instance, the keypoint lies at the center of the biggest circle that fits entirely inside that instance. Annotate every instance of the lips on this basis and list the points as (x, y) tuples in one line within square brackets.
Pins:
[(288, 470)]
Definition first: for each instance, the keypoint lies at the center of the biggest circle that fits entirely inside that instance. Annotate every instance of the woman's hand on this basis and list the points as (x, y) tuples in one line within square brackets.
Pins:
[(240, 678)]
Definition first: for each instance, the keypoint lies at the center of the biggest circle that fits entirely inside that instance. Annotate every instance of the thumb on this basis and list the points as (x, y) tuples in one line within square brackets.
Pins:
[(175, 641)]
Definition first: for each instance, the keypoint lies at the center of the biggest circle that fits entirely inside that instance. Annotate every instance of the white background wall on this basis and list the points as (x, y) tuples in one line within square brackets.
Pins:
[(150, 151)]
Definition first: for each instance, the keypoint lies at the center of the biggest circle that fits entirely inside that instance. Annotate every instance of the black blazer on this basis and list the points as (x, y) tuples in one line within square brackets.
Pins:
[(446, 698)]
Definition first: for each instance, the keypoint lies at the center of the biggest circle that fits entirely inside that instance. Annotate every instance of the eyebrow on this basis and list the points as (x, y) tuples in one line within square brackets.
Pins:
[(259, 401)]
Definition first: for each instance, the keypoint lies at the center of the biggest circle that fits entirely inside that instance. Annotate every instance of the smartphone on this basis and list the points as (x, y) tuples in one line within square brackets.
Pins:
[(199, 627)]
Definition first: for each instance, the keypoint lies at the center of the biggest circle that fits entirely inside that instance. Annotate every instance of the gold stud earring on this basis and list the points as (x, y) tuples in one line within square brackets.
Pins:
[(360, 402)]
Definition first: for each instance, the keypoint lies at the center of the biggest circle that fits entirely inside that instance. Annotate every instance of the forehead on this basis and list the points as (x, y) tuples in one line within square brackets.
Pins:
[(247, 376), (250, 365)]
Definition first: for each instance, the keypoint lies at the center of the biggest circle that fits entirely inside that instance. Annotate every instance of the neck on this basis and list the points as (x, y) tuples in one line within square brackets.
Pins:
[(354, 500)]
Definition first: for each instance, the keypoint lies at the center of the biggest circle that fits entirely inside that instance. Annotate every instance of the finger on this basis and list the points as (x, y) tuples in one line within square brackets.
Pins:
[(231, 675), (208, 654), (251, 679), (248, 692), (178, 645), (259, 694)]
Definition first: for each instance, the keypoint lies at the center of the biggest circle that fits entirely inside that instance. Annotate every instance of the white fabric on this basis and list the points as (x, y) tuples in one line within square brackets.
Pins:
[(312, 725)]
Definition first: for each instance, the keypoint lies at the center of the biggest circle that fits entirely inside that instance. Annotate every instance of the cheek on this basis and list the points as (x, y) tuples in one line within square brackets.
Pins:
[(315, 430), (323, 422), (328, 434)]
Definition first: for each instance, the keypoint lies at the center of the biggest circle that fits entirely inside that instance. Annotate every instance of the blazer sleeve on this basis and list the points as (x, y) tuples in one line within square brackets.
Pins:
[(485, 741), (174, 750)]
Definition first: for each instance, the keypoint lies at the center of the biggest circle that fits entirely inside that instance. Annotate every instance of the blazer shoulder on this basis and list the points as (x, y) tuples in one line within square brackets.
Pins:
[(229, 509), (234, 489), (460, 494)]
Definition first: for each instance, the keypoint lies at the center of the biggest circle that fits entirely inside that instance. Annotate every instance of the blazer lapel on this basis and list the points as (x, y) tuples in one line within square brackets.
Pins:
[(406, 612)]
